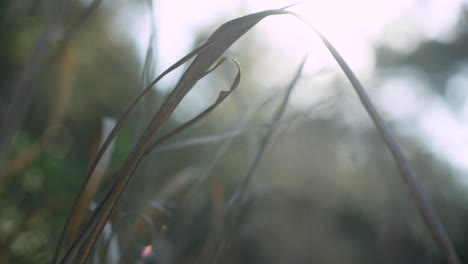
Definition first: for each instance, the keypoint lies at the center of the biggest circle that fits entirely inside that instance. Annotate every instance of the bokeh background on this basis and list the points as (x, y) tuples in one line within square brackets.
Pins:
[(326, 190)]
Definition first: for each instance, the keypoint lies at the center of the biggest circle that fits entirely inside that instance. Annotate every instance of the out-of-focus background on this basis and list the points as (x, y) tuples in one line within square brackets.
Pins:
[(326, 190)]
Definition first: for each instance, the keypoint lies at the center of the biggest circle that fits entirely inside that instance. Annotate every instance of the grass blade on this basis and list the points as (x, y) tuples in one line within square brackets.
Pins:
[(103, 149), (97, 177), (267, 137), (222, 95), (207, 54), (408, 175), (239, 197)]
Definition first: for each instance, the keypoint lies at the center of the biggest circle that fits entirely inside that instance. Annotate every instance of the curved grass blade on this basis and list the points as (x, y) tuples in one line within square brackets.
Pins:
[(222, 95), (241, 25), (222, 39), (208, 53), (408, 175)]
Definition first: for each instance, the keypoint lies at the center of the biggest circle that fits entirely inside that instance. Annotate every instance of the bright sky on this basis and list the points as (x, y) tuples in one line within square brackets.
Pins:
[(354, 27)]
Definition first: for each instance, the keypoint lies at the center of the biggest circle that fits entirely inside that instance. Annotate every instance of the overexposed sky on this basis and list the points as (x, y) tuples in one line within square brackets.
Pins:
[(350, 25), (354, 27)]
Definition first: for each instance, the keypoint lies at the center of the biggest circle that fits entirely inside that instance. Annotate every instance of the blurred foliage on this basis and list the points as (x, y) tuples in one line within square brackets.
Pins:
[(94, 77), (326, 191), (435, 58)]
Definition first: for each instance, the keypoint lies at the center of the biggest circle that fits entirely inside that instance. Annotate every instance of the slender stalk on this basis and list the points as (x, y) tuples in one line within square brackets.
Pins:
[(408, 175), (237, 202)]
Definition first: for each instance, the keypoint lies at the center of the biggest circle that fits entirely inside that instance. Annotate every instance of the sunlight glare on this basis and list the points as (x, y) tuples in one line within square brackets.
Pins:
[(354, 27)]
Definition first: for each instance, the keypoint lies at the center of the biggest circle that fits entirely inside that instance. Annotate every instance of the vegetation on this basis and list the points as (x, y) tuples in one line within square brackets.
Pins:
[(95, 168)]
